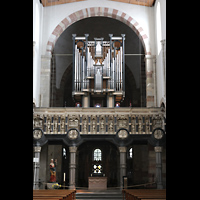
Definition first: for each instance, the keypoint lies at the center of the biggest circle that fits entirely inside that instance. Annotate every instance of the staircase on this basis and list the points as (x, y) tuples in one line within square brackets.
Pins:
[(99, 195)]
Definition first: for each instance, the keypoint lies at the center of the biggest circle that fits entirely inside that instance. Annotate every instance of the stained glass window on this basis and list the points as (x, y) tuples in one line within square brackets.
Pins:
[(97, 155)]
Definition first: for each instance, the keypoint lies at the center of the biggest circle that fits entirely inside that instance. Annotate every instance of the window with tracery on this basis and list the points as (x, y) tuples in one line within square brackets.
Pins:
[(97, 155)]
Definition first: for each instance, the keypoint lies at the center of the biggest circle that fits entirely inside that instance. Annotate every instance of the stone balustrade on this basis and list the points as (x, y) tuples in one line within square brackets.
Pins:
[(57, 120)]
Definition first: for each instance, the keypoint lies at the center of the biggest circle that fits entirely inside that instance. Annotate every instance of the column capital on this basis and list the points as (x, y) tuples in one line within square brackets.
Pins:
[(72, 149), (37, 149), (122, 149), (150, 57), (158, 149)]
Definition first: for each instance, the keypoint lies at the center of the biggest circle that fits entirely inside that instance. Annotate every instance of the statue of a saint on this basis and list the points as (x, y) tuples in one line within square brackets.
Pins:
[(53, 171)]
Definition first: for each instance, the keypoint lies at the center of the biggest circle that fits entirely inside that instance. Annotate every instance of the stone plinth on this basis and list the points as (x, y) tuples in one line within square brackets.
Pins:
[(97, 183)]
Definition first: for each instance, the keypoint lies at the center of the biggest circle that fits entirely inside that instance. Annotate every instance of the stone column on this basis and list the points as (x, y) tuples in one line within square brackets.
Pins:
[(72, 167), (45, 80), (36, 167), (158, 151), (164, 65), (149, 61), (122, 165)]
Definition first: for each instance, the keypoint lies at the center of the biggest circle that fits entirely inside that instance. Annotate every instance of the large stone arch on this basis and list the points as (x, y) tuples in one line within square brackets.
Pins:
[(98, 11)]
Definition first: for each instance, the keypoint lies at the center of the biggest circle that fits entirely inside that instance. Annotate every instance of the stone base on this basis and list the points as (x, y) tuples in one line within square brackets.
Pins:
[(49, 185)]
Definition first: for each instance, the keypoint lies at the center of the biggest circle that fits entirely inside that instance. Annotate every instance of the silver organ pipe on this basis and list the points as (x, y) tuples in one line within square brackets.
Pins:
[(102, 64)]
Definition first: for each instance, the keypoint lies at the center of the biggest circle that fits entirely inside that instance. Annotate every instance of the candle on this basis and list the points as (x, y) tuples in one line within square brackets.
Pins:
[(64, 177)]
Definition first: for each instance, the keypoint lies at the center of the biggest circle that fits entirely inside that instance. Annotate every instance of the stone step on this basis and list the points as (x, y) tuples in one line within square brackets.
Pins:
[(104, 195)]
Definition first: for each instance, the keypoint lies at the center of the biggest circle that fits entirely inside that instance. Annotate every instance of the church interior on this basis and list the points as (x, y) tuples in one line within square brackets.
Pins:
[(99, 94)]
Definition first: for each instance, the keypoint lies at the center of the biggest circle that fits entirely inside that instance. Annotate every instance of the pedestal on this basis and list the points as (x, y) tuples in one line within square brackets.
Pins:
[(97, 183)]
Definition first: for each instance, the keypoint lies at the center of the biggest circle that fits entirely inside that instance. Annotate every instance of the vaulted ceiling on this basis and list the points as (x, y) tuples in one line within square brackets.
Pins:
[(148, 3)]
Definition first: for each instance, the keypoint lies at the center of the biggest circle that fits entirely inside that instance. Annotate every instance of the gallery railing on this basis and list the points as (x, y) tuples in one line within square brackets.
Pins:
[(98, 120)]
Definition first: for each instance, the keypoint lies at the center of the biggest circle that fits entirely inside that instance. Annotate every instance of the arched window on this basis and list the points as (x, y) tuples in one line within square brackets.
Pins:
[(97, 155)]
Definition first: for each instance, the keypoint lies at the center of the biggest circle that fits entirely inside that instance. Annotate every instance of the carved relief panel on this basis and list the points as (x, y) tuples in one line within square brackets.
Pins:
[(93, 125), (157, 122), (133, 124), (84, 124), (101, 124), (140, 125), (62, 124), (48, 124), (55, 124), (73, 121), (122, 121), (110, 124), (38, 121)]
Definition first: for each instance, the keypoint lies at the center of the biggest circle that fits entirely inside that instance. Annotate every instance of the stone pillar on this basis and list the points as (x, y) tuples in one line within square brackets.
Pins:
[(72, 167), (45, 80), (164, 67), (122, 165), (36, 167), (149, 61), (158, 151)]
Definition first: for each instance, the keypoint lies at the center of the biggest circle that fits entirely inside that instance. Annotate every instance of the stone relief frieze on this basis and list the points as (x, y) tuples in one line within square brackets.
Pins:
[(94, 123)]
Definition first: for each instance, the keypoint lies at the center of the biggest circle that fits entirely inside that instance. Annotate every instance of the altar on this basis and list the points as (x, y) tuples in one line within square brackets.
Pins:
[(97, 183)]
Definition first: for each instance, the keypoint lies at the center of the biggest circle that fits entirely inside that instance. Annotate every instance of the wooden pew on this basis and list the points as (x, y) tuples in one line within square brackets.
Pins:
[(54, 194), (141, 194)]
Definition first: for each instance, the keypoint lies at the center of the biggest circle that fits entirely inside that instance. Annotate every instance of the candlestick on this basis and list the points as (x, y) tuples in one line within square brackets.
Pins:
[(64, 177)]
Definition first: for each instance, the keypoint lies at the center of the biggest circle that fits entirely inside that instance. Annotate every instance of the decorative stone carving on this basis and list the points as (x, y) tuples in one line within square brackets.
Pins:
[(72, 134), (102, 124), (147, 125), (140, 125), (62, 124), (122, 121), (84, 124), (48, 124), (93, 124), (122, 134), (133, 124), (73, 121), (38, 121), (55, 124), (157, 122), (110, 124)]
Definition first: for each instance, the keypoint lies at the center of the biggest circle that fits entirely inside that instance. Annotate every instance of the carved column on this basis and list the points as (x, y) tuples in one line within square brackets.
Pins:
[(122, 167), (149, 60), (72, 167), (158, 151), (36, 167)]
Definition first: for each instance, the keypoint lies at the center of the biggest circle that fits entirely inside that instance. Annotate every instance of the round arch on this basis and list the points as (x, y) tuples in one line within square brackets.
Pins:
[(98, 11)]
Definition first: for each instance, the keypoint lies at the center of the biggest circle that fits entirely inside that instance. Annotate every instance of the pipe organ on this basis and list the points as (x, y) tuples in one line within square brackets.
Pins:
[(98, 68)]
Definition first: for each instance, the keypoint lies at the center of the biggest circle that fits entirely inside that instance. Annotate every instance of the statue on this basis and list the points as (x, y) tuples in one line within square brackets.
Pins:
[(53, 171)]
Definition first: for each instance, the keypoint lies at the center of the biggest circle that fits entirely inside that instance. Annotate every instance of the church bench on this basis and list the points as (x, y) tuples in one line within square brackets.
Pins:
[(139, 194), (59, 194)]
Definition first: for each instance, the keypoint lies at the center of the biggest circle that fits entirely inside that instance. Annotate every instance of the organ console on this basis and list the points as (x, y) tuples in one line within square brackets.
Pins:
[(98, 68)]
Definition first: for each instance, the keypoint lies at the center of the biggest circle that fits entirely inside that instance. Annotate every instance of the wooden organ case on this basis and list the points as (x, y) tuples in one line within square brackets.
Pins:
[(98, 70)]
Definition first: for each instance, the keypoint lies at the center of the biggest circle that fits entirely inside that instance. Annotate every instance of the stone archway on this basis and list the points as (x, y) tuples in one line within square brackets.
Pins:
[(98, 11)]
